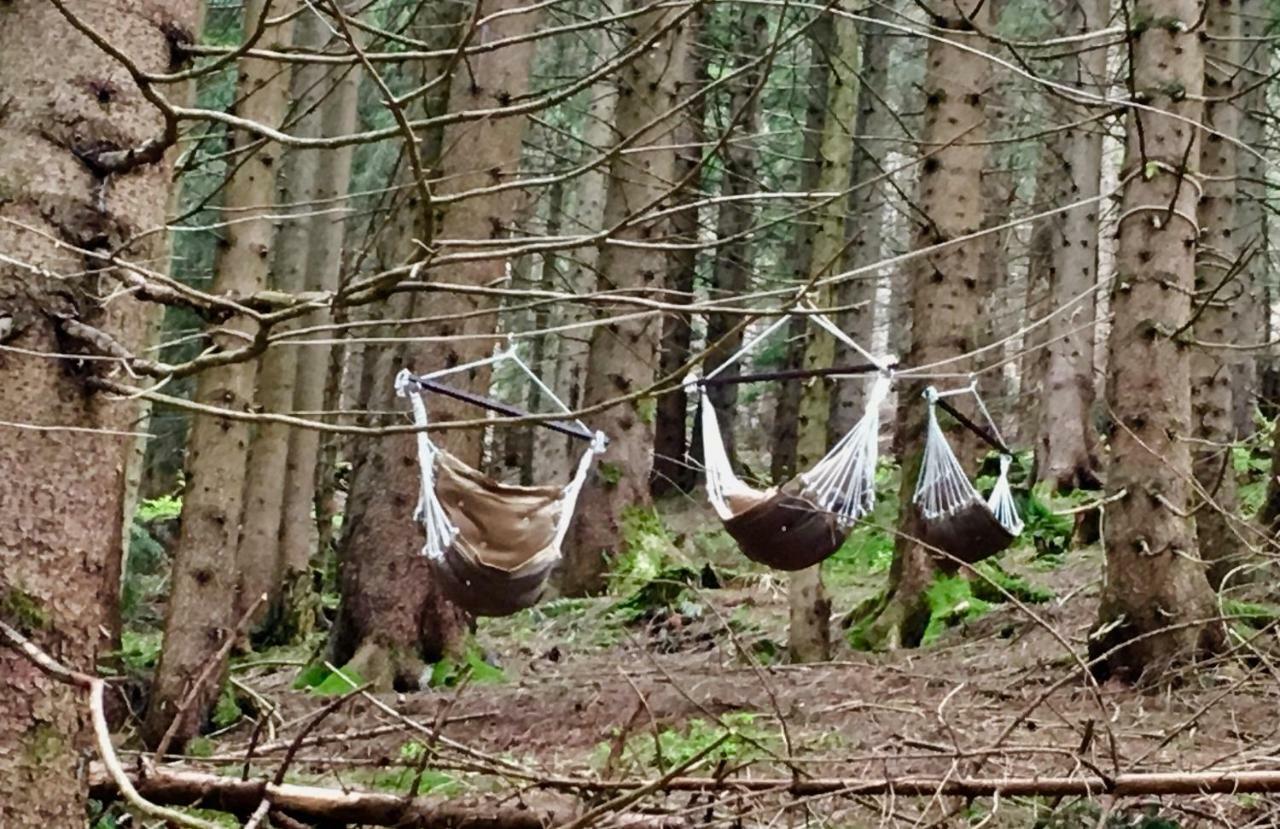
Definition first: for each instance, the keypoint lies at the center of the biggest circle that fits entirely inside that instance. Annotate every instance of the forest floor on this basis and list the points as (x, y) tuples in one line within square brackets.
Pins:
[(665, 672)]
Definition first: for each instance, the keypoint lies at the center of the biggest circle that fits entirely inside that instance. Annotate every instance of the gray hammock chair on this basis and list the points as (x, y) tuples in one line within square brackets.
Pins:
[(491, 545), (954, 517), (804, 521)]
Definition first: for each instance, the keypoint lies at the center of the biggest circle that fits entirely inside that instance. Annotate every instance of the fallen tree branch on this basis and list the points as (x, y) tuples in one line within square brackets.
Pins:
[(241, 797)]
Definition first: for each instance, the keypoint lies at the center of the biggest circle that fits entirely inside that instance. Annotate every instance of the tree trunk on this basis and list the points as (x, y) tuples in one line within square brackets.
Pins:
[(867, 202), (325, 233), (1221, 298), (1154, 578), (624, 355), (731, 272), (259, 559), (1251, 213), (810, 631), (202, 598), (945, 300), (672, 470), (1066, 443), (61, 490), (392, 614), (786, 415)]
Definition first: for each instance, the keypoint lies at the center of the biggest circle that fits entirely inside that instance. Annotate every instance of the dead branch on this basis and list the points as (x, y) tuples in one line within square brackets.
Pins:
[(241, 797)]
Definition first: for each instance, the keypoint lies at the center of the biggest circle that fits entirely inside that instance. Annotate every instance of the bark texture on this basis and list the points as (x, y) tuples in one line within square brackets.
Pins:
[(1154, 577), (1221, 296), (945, 291), (1066, 442), (623, 356), (809, 638), (202, 600), (61, 491)]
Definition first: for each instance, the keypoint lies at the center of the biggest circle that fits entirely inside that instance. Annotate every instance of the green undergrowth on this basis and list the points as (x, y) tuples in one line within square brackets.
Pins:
[(741, 739)]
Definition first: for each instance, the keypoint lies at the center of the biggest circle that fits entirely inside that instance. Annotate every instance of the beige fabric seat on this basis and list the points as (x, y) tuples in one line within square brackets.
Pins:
[(506, 546)]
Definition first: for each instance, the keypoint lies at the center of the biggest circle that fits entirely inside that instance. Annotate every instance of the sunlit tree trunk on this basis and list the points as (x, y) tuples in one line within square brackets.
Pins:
[(624, 355), (1066, 444), (200, 614), (945, 290), (1155, 585), (810, 632)]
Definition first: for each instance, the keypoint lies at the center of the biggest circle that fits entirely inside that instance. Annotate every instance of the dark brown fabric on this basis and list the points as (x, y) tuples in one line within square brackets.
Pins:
[(504, 551), (784, 531), (971, 534)]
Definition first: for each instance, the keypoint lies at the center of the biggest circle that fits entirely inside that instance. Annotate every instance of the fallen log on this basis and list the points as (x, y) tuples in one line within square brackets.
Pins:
[(181, 787)]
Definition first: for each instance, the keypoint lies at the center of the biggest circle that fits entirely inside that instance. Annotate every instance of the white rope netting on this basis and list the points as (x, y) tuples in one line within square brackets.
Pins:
[(844, 482), (722, 482)]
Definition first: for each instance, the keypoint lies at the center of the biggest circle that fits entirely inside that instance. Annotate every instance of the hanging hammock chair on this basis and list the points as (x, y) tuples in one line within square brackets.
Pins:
[(954, 517), (491, 545), (802, 522)]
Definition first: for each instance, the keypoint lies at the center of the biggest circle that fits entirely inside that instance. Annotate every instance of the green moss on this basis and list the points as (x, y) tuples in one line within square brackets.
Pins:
[(43, 744), (23, 610)]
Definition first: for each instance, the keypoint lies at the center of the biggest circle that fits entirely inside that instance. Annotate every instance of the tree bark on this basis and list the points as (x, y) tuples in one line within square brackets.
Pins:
[(865, 245), (61, 489), (810, 631), (624, 355), (672, 470), (337, 114), (1154, 577), (945, 298), (1221, 298), (259, 558), (731, 272), (1066, 443), (202, 600)]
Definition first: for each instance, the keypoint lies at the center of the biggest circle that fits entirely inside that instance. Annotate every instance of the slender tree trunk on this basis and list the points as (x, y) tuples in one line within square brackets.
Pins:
[(392, 614), (993, 283), (61, 490), (202, 598), (786, 416), (1221, 298), (865, 247), (1251, 214), (1155, 586), (326, 234), (945, 290), (672, 470), (1066, 443), (731, 273), (259, 558), (624, 355), (810, 632)]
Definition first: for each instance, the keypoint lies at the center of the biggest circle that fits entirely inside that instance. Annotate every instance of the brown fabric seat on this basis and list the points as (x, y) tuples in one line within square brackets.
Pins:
[(505, 548), (971, 534), (782, 530)]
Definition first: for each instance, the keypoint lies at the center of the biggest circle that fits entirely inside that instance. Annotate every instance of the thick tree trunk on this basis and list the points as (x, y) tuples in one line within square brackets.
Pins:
[(259, 558), (202, 600), (61, 489), (624, 355), (731, 272), (325, 233), (867, 203), (945, 292), (809, 638), (1155, 597), (1066, 443), (1221, 298), (672, 469), (392, 614)]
